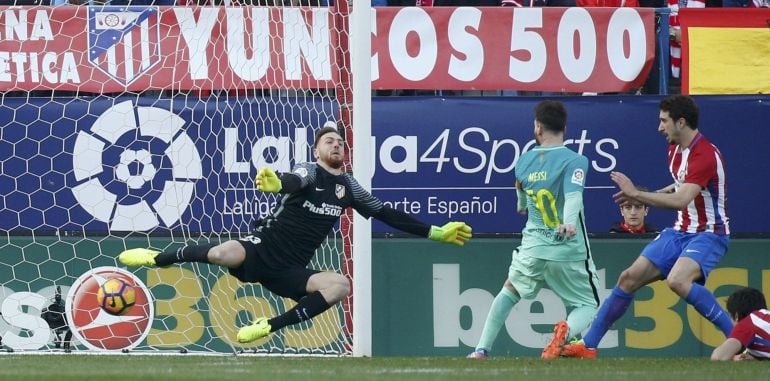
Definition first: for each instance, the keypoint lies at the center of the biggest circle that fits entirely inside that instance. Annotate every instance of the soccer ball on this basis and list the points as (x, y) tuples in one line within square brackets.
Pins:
[(115, 296)]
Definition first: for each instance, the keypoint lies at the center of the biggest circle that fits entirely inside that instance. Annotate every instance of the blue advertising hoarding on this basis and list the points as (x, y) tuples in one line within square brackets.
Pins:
[(453, 158), (136, 164)]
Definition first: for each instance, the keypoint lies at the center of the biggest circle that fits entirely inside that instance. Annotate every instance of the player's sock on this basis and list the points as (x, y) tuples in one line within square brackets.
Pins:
[(706, 304), (192, 253), (612, 309), (307, 307), (579, 319), (499, 311)]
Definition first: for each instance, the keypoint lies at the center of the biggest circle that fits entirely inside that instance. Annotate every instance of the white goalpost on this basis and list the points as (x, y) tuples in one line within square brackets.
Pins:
[(363, 170), (124, 127)]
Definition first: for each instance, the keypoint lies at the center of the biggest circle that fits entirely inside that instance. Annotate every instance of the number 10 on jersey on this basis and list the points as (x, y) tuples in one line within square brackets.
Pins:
[(541, 198)]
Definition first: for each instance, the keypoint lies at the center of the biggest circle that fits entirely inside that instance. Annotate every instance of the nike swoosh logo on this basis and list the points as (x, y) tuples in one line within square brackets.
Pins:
[(691, 251), (320, 189)]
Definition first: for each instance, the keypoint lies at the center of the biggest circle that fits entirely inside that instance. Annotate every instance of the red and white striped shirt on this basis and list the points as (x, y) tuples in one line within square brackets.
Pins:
[(702, 164), (753, 332), (673, 22)]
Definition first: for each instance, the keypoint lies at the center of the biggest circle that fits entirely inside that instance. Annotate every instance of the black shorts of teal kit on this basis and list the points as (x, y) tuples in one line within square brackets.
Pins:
[(290, 282)]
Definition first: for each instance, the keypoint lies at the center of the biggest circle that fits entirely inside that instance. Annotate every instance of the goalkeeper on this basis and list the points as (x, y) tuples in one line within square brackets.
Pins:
[(277, 253)]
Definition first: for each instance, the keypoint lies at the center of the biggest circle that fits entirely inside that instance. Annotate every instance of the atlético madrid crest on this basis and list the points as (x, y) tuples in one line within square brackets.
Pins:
[(124, 42), (340, 191)]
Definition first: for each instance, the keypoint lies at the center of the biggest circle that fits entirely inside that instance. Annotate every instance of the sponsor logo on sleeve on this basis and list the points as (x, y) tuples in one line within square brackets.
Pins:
[(578, 177), (301, 172)]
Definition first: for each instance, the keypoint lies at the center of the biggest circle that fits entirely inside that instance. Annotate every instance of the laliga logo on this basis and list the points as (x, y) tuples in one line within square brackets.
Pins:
[(95, 328), (135, 168)]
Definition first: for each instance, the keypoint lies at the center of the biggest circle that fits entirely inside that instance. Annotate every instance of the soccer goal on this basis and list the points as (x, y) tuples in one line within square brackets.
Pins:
[(124, 127)]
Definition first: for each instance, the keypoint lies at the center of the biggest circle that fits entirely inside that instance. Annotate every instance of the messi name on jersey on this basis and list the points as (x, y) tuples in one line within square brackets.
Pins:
[(538, 176)]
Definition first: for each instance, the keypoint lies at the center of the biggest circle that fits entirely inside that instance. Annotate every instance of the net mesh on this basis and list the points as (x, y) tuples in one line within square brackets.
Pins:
[(151, 137)]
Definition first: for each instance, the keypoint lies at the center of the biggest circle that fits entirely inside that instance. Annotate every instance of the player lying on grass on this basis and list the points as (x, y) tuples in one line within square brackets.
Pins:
[(276, 255), (748, 308)]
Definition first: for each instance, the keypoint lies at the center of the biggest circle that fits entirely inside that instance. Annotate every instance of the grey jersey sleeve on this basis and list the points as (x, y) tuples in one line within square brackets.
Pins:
[(306, 173), (363, 201)]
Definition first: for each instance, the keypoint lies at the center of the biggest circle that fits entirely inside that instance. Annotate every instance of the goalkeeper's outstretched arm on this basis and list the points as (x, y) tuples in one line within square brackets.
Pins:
[(369, 206), (455, 232)]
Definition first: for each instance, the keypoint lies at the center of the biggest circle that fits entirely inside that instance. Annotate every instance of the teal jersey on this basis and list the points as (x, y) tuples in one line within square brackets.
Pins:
[(546, 174)]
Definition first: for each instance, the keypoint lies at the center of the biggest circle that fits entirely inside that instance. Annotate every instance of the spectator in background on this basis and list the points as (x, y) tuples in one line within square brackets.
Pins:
[(633, 218), (675, 38), (737, 3), (560, 3), (759, 4)]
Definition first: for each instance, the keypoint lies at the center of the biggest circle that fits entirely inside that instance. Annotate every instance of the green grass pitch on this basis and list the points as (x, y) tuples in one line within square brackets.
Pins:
[(191, 367)]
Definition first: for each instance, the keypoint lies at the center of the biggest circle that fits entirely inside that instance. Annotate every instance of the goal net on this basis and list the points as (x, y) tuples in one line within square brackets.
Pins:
[(127, 127)]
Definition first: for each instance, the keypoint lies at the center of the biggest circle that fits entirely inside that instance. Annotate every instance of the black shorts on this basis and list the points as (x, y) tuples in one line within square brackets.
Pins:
[(290, 282)]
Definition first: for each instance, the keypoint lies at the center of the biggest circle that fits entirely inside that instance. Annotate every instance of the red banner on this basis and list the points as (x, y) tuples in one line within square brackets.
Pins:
[(541, 49), (114, 49)]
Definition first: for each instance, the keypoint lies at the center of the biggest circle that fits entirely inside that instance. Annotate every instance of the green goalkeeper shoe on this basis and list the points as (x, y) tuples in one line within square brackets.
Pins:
[(138, 257), (257, 330)]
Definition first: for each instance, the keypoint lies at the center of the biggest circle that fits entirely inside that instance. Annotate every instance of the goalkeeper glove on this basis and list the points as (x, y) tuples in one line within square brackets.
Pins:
[(268, 181), (452, 232)]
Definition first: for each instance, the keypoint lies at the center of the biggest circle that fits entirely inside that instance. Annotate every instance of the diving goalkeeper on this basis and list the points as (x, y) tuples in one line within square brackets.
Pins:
[(277, 253)]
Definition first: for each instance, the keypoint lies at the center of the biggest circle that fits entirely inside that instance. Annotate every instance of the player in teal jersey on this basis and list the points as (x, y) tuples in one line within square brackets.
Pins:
[(554, 249)]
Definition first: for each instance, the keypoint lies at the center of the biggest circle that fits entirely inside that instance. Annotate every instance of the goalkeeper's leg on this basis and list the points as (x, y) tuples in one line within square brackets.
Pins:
[(229, 254), (323, 290)]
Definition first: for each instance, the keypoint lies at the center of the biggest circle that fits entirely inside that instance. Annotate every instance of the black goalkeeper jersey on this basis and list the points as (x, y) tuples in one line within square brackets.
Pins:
[(303, 219)]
